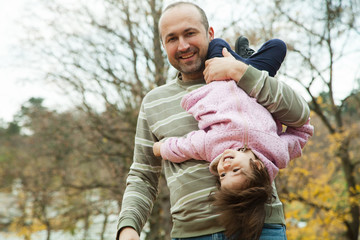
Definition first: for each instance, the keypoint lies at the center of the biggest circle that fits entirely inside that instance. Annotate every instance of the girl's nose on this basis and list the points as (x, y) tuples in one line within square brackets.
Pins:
[(226, 165)]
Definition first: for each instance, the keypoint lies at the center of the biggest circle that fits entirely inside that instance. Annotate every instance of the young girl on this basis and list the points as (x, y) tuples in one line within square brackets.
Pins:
[(245, 145)]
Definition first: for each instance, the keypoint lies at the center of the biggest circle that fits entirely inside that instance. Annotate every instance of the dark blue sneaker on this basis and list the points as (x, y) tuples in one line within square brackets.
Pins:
[(242, 47)]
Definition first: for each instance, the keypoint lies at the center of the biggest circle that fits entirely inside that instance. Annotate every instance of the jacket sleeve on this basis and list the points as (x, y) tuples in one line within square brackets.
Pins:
[(296, 138), (277, 97), (142, 181), (180, 149)]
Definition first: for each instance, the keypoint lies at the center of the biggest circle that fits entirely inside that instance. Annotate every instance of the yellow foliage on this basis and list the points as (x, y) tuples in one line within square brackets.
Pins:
[(319, 100), (354, 200), (27, 230), (313, 188), (305, 223)]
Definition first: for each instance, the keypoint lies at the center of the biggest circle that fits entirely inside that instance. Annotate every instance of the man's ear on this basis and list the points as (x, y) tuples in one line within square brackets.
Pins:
[(211, 33)]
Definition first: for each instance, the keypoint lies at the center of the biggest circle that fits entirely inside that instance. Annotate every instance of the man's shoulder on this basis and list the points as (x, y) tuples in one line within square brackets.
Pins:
[(162, 91)]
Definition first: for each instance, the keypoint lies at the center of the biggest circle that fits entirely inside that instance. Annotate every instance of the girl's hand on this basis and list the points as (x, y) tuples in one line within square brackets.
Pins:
[(156, 149)]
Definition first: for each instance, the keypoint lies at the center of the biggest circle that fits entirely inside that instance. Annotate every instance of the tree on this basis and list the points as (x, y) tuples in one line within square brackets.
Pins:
[(324, 40), (109, 59), (32, 165)]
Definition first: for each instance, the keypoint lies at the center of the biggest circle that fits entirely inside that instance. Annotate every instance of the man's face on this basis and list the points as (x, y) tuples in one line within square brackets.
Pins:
[(185, 40)]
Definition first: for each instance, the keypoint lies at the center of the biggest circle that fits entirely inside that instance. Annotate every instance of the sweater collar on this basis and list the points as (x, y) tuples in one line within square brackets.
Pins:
[(183, 84)]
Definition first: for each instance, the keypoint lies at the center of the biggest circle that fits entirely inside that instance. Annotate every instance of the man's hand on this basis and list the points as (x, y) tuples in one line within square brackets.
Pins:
[(156, 149), (224, 68), (128, 233)]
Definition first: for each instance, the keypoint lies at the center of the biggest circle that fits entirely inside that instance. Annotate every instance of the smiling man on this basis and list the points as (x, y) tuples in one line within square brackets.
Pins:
[(185, 40), (185, 35)]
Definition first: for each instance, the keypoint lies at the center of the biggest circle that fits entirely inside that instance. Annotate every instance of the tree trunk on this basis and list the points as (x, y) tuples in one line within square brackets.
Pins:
[(48, 230), (106, 216), (352, 226)]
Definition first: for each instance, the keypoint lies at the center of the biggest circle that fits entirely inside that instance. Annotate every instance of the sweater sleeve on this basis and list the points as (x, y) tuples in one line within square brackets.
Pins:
[(142, 181), (296, 138), (180, 149), (277, 97)]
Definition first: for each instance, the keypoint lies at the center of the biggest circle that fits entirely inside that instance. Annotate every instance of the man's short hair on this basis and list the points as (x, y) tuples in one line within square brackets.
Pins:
[(203, 16)]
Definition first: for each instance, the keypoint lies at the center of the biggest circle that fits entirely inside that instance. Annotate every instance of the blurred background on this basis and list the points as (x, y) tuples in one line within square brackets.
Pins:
[(73, 74)]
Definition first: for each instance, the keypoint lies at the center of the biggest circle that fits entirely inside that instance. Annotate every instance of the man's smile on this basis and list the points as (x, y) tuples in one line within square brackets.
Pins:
[(188, 55)]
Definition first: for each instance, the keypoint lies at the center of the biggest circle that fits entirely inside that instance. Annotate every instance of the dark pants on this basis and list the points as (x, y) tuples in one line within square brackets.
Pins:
[(269, 57)]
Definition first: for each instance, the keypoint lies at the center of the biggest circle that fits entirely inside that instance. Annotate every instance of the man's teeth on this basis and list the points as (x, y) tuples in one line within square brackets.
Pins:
[(187, 56)]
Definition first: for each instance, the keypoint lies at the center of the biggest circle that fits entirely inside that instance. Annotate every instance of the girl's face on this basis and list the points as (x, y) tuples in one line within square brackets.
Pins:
[(233, 168)]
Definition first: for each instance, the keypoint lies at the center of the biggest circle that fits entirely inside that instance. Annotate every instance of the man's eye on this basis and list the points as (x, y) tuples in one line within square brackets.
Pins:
[(171, 39), (222, 175), (236, 169)]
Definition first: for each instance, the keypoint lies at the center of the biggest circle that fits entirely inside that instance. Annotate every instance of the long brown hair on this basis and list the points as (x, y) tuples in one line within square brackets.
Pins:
[(242, 211)]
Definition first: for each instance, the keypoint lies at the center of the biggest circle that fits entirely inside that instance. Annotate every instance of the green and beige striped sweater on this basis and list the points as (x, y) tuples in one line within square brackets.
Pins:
[(190, 183)]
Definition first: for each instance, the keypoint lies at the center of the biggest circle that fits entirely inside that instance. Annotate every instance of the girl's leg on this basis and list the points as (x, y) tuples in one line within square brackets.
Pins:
[(216, 46), (269, 57)]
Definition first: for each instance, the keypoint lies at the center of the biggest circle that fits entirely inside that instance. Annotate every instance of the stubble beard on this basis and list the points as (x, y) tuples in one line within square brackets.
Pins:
[(194, 68)]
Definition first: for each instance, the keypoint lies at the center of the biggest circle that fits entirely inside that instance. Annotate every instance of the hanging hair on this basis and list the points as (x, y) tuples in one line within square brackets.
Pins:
[(242, 211)]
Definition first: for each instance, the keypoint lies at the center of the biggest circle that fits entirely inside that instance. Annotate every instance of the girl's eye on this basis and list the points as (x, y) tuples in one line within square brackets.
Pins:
[(222, 175), (236, 169)]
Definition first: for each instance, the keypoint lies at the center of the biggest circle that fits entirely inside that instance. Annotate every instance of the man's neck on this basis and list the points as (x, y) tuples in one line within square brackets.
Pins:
[(190, 77)]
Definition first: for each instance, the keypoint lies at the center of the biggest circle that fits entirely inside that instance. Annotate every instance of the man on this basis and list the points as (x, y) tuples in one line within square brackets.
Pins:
[(185, 35)]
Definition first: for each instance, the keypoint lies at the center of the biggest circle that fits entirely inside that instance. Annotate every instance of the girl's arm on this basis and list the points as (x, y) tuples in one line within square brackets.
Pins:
[(180, 149), (296, 138)]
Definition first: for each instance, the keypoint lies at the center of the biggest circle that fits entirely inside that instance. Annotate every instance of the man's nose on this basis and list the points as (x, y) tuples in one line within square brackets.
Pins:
[(183, 44)]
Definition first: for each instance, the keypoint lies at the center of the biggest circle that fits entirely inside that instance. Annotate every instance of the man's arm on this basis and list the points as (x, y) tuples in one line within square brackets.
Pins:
[(142, 182), (277, 97)]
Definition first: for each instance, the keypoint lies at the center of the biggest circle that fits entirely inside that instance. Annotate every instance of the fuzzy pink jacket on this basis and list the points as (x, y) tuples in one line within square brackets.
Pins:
[(229, 119)]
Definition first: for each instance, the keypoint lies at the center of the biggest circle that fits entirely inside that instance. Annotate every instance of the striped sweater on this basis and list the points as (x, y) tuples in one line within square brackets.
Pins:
[(190, 182)]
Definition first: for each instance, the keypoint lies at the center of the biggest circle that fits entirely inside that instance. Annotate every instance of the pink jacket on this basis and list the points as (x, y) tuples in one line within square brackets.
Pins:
[(230, 119)]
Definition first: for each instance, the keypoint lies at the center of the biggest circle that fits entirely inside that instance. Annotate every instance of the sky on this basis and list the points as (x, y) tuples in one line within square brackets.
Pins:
[(14, 90), (9, 96)]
